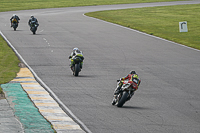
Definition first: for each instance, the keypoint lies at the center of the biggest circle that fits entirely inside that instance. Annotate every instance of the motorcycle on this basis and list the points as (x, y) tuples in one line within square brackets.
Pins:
[(76, 67), (34, 26), (127, 90), (14, 25)]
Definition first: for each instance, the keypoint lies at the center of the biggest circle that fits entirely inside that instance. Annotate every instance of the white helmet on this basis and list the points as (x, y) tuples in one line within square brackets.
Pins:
[(75, 49)]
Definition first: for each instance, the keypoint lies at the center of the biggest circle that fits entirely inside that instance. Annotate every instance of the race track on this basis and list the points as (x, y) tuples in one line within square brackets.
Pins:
[(168, 98)]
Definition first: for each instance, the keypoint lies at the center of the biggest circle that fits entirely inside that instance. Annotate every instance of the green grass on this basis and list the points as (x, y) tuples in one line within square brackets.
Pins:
[(12, 5), (8, 63), (159, 21)]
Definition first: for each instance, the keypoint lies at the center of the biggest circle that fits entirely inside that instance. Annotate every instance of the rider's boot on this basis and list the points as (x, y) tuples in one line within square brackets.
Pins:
[(81, 65), (114, 100), (117, 90), (71, 64)]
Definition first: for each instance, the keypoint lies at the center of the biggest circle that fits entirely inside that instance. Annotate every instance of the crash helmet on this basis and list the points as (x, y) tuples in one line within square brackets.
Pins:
[(14, 15), (135, 76), (75, 49), (32, 16), (132, 72)]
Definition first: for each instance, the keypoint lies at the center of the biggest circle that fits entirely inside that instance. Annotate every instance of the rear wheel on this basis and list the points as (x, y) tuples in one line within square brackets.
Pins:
[(14, 25), (33, 29), (77, 69), (123, 99)]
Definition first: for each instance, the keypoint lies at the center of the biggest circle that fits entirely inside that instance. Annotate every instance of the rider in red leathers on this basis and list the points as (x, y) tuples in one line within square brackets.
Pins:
[(131, 77)]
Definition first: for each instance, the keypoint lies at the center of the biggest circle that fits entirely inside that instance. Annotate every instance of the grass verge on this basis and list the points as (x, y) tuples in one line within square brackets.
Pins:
[(13, 5), (159, 21), (8, 63)]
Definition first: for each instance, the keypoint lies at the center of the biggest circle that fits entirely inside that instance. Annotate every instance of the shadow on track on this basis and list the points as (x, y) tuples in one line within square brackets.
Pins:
[(134, 107), (87, 76), (16, 30)]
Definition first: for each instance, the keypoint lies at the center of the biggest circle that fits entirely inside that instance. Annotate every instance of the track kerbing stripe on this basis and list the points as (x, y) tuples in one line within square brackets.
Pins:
[(46, 105)]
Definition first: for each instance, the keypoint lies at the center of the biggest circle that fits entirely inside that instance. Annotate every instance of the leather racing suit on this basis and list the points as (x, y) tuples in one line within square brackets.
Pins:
[(75, 54), (130, 78)]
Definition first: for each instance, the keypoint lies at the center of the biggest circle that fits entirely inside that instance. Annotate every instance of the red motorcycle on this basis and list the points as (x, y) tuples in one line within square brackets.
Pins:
[(127, 90)]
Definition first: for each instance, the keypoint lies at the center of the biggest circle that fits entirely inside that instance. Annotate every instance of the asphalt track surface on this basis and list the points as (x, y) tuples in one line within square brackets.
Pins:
[(168, 97)]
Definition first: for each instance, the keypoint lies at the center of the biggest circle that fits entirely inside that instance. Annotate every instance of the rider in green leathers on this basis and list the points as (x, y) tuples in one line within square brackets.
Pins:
[(76, 52)]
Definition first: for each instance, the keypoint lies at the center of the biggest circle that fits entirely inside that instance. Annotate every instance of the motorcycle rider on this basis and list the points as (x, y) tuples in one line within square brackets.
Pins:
[(32, 19), (132, 76), (13, 19), (76, 52)]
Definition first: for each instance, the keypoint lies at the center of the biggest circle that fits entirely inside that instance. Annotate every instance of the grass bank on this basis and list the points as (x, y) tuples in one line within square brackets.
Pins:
[(12, 5), (8, 63), (159, 21)]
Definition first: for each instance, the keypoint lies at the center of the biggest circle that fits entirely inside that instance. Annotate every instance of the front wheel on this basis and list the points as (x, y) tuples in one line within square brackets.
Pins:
[(123, 99)]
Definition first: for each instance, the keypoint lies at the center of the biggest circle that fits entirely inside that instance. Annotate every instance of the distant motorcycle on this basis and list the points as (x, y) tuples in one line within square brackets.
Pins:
[(76, 67), (127, 91), (34, 26), (14, 25)]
